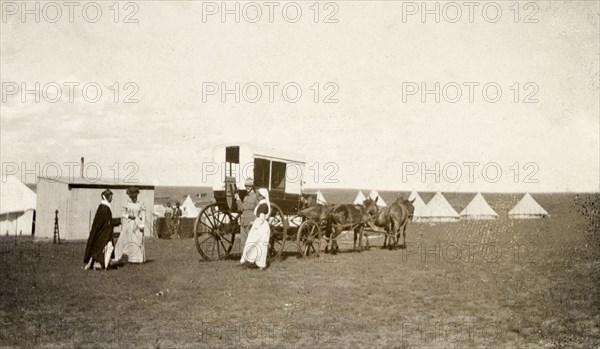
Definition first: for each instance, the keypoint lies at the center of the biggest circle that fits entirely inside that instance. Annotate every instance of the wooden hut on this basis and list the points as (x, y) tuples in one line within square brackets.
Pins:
[(77, 200)]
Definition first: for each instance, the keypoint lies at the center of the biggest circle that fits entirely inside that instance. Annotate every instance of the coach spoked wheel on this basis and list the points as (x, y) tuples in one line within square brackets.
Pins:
[(214, 233), (279, 227), (309, 239)]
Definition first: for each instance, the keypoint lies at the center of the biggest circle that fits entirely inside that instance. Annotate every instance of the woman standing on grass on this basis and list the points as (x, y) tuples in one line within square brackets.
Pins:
[(99, 248), (130, 245), (257, 243)]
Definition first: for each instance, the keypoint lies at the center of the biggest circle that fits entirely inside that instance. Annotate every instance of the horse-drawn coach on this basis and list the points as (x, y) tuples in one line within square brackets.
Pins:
[(295, 217), (281, 173)]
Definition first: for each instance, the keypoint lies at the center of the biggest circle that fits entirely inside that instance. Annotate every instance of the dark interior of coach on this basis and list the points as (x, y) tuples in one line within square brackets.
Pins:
[(267, 173)]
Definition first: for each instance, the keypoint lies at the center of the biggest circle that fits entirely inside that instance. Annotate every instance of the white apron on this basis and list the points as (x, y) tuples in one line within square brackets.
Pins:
[(257, 243)]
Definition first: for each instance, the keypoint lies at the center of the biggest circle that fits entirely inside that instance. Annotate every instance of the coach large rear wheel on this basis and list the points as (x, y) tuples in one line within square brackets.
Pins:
[(279, 227), (214, 233), (308, 239)]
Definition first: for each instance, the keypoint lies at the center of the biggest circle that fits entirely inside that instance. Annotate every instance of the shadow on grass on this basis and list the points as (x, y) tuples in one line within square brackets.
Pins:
[(124, 263)]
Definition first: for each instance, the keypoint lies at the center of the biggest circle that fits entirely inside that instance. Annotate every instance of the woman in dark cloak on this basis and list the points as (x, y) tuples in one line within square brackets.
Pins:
[(100, 244)]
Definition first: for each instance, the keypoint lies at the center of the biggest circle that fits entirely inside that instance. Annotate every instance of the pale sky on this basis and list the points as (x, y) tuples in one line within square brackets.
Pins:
[(371, 134)]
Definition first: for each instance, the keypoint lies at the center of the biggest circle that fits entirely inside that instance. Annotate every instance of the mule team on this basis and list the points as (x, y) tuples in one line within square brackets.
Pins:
[(336, 219)]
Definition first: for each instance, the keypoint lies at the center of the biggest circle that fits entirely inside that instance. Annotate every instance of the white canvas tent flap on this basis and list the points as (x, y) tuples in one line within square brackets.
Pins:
[(438, 209), (419, 205), (16, 223), (360, 198), (527, 207), (17, 204), (320, 198), (374, 195), (189, 209), (478, 208), (159, 210), (15, 196)]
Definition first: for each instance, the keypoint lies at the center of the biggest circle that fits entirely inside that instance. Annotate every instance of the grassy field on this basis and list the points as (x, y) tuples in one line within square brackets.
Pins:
[(471, 284)]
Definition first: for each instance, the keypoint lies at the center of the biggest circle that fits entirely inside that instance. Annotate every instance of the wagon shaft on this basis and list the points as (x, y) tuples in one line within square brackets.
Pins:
[(347, 226)]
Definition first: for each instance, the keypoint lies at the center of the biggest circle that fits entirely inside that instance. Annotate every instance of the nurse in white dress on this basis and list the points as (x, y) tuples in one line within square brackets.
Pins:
[(257, 243)]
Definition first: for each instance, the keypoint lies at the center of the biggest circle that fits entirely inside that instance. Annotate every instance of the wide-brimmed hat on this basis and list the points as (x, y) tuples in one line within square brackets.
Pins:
[(249, 182), (133, 190)]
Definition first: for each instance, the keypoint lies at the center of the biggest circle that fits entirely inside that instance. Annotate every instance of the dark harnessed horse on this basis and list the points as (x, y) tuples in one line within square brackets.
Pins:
[(394, 219), (349, 217)]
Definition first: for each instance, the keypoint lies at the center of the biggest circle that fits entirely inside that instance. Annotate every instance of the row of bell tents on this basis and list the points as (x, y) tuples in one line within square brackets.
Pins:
[(18, 205), (438, 209)]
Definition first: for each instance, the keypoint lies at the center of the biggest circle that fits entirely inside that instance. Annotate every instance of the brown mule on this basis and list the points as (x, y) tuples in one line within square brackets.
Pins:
[(394, 219), (349, 217)]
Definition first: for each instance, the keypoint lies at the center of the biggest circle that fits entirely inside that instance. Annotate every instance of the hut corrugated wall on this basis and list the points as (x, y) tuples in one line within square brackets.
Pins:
[(77, 202)]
